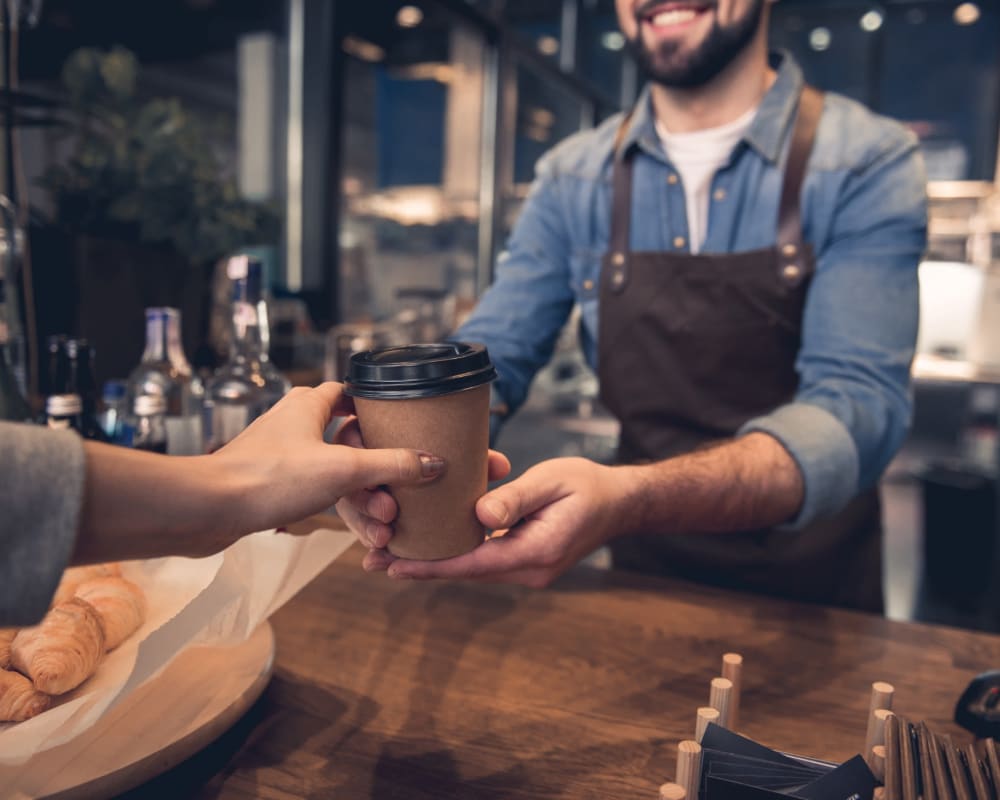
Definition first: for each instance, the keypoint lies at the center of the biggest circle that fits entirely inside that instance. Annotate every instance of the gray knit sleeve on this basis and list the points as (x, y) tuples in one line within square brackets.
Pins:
[(41, 493)]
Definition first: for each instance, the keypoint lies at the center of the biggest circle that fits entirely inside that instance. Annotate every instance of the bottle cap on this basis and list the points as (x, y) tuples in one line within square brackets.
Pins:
[(418, 370), (63, 405), (148, 405)]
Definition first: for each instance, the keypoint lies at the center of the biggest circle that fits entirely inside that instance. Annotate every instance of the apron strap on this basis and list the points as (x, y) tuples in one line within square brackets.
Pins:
[(621, 210), (791, 244)]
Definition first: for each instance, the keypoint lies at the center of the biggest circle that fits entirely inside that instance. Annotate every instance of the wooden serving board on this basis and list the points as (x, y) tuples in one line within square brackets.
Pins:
[(166, 720)]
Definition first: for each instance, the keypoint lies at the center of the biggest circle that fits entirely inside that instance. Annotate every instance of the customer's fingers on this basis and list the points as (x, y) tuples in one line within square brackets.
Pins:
[(377, 560), (370, 531)]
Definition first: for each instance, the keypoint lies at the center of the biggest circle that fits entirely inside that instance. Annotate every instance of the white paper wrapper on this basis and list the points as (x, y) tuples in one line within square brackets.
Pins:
[(210, 601)]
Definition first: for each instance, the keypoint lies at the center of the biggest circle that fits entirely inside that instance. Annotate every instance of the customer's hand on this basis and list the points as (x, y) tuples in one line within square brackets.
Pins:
[(287, 470), (369, 512), (555, 514)]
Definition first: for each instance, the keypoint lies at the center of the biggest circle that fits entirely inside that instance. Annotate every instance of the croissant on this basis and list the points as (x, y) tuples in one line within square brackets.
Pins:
[(6, 637), (18, 699), (120, 606), (63, 651), (74, 576)]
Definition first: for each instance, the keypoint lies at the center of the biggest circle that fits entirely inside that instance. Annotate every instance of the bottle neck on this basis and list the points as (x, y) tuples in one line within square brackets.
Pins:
[(163, 341), (4, 323), (251, 336)]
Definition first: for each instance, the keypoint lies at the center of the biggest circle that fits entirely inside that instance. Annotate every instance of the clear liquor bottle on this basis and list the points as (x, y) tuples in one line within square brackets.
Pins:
[(13, 406), (248, 384), (165, 372)]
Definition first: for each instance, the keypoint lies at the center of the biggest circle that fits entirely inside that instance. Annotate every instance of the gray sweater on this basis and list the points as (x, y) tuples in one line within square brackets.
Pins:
[(41, 493)]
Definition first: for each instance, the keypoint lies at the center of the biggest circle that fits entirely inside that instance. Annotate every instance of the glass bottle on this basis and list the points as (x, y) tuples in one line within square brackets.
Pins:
[(63, 406), (83, 382), (148, 423), (164, 371), (49, 378), (248, 384), (13, 406)]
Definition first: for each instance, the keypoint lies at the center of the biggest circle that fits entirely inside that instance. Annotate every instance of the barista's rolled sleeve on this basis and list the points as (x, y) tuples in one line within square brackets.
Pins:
[(41, 492), (853, 407)]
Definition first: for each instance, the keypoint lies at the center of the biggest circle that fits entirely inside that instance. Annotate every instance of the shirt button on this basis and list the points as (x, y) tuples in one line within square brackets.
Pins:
[(791, 272), (618, 259), (720, 194), (679, 242), (672, 178), (588, 284), (789, 250)]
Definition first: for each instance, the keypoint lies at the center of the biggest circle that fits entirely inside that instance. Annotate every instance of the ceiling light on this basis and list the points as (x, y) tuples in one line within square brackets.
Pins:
[(409, 17), (549, 45), (966, 14), (820, 39), (612, 40), (871, 21)]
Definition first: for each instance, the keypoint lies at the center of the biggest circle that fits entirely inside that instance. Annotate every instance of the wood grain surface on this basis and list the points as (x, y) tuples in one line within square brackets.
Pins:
[(404, 689)]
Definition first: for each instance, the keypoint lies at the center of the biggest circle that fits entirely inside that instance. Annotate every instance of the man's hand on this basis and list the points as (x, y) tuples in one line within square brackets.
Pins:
[(555, 514)]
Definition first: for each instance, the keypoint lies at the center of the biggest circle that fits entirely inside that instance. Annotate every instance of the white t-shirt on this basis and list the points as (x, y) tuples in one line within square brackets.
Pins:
[(698, 156)]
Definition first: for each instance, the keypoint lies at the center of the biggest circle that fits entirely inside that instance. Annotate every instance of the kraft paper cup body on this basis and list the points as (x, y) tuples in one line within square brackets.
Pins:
[(437, 519)]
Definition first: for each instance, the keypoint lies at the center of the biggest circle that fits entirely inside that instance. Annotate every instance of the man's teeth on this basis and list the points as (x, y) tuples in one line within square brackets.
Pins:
[(675, 17)]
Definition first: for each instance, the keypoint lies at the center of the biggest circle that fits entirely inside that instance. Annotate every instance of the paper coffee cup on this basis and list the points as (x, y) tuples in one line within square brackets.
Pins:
[(435, 398)]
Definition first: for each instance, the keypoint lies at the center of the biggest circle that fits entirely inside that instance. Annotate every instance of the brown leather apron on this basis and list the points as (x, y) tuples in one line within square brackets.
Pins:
[(693, 346)]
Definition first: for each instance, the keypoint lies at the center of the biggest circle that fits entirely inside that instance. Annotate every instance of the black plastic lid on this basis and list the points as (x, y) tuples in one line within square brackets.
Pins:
[(418, 370)]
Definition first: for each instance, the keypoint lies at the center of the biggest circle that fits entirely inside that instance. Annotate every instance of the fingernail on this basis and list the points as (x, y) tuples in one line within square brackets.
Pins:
[(397, 574), (496, 508), (431, 466)]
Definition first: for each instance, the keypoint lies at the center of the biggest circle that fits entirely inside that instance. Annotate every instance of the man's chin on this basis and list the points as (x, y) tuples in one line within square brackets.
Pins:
[(676, 69)]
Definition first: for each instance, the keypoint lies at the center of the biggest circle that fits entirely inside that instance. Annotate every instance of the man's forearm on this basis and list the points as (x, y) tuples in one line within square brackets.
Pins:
[(744, 484)]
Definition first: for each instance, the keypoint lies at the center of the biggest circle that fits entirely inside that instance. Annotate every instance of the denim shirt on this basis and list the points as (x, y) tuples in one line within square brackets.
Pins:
[(863, 210)]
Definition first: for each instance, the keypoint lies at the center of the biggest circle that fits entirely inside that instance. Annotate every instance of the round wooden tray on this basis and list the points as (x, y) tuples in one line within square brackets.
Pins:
[(166, 720)]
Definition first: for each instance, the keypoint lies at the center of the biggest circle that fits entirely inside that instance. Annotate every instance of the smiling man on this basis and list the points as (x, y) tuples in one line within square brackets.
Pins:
[(744, 252)]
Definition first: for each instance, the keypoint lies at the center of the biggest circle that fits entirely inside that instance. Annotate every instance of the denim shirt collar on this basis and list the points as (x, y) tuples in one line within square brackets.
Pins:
[(767, 132)]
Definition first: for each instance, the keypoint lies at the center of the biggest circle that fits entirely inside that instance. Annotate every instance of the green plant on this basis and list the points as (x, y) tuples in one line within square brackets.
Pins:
[(146, 169)]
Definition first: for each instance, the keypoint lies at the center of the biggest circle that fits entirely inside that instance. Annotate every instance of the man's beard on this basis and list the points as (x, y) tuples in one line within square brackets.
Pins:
[(666, 65)]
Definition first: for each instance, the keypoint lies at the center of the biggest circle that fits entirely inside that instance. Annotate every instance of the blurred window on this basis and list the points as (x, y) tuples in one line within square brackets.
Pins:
[(411, 162), (540, 23), (935, 66), (546, 113), (602, 47)]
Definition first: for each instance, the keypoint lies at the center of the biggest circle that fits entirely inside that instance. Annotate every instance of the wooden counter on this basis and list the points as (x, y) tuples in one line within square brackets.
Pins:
[(401, 689)]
